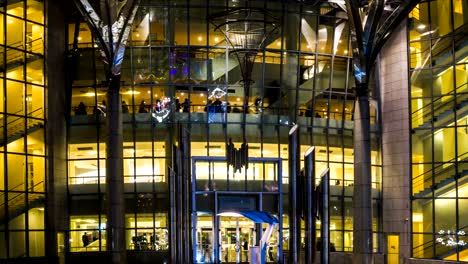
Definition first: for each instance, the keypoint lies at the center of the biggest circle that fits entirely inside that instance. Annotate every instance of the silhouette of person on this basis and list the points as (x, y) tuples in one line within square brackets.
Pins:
[(217, 105), (85, 239), (245, 247), (81, 110), (186, 106), (124, 107), (142, 108), (177, 105)]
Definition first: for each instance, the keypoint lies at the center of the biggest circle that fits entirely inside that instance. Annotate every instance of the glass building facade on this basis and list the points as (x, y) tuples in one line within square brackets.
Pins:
[(180, 73), (22, 144), (179, 70), (438, 61)]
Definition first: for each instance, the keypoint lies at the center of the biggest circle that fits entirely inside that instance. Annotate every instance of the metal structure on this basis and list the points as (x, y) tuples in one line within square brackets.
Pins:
[(325, 217), (310, 206), (371, 23), (294, 211), (111, 28), (246, 29)]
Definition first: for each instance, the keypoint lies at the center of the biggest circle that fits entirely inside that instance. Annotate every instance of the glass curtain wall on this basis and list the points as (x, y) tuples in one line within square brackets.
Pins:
[(439, 125), (22, 144), (179, 69)]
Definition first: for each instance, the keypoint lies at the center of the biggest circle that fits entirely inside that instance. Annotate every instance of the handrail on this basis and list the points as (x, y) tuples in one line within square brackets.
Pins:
[(432, 241), (16, 52), (17, 193), (416, 116), (446, 162), (18, 118)]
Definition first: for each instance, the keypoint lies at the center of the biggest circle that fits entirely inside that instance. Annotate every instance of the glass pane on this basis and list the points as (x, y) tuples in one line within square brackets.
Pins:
[(36, 243), (17, 244), (36, 218), (2, 32), (325, 35), (440, 18), (422, 216), (445, 214), (3, 249), (16, 172), (181, 27), (460, 13), (15, 33), (444, 145), (34, 38), (198, 26), (160, 28), (35, 11), (309, 33), (36, 173)]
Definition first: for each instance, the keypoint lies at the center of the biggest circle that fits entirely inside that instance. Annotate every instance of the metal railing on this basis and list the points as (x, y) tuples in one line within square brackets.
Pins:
[(127, 179), (440, 173), (427, 247), (16, 124), (423, 114), (15, 52)]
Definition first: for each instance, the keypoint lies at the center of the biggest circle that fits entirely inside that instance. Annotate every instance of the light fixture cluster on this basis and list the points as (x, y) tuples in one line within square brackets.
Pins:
[(449, 238)]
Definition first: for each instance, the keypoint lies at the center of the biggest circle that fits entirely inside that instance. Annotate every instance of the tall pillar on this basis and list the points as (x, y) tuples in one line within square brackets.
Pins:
[(294, 216), (362, 200), (309, 206), (114, 176), (396, 142), (55, 129)]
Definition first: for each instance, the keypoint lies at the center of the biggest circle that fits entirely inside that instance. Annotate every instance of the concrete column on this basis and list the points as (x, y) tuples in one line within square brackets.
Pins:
[(114, 175), (396, 141), (55, 129), (362, 202)]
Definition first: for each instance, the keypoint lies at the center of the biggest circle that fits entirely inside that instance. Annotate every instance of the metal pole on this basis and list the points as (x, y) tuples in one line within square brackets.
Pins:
[(114, 175), (294, 218), (325, 218), (187, 217), (310, 233)]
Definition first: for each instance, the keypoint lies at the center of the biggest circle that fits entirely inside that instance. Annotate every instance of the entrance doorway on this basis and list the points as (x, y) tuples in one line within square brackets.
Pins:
[(224, 238)]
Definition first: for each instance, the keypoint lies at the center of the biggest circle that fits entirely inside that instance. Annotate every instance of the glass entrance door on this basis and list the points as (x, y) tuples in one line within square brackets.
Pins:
[(236, 235), (220, 235)]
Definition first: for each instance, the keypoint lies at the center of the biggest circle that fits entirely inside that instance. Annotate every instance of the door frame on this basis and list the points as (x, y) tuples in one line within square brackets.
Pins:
[(215, 219)]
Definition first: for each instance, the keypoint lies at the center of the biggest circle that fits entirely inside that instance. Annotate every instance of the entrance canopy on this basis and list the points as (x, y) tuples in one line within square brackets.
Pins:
[(256, 216)]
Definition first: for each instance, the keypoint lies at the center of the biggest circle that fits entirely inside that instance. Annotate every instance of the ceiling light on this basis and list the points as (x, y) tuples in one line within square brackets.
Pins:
[(421, 26)]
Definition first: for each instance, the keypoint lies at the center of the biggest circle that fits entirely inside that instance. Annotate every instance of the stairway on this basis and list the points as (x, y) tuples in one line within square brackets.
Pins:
[(443, 110), (15, 55), (17, 201), (444, 177), (16, 127), (441, 251)]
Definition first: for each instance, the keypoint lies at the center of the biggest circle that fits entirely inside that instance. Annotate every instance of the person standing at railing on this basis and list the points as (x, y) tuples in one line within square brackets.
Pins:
[(186, 106), (81, 110), (142, 108)]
